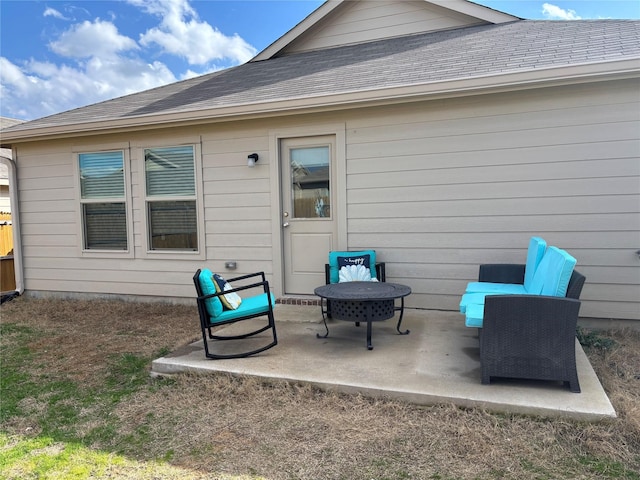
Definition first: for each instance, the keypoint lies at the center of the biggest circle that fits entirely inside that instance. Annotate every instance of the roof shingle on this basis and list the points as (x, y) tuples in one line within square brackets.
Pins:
[(411, 60)]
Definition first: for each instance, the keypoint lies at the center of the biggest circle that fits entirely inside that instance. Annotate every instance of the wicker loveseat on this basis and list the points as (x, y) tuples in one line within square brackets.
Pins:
[(527, 316)]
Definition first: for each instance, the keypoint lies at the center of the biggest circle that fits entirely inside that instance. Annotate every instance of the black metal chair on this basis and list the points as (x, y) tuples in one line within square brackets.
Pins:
[(325, 305), (251, 307)]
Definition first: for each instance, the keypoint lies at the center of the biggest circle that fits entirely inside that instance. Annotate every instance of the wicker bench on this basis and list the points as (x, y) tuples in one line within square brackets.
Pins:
[(524, 335)]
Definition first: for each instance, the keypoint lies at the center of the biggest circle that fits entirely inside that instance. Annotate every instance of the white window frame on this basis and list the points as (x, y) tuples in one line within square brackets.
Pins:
[(104, 253), (200, 253)]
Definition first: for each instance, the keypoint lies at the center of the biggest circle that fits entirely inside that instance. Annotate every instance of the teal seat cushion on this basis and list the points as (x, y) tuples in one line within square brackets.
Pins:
[(495, 288), (213, 304), (474, 315), (470, 299), (553, 274), (478, 297), (537, 248), (335, 260), (249, 306)]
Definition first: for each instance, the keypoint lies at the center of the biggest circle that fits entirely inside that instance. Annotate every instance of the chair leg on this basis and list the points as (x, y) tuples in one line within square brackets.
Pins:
[(215, 356), (574, 384), (238, 337)]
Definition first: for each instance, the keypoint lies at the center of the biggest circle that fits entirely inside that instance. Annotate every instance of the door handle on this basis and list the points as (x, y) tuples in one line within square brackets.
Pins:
[(285, 224)]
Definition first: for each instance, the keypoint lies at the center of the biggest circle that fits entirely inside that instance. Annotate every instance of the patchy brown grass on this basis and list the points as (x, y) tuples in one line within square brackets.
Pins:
[(222, 425), (76, 336)]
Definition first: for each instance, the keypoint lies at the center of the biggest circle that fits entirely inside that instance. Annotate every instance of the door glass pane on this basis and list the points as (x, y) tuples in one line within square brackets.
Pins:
[(310, 188)]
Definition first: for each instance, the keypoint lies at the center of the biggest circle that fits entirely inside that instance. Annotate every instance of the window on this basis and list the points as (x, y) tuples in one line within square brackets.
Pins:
[(172, 216), (102, 199)]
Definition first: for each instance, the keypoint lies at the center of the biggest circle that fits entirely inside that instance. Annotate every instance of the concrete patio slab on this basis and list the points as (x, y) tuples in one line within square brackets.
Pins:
[(438, 362)]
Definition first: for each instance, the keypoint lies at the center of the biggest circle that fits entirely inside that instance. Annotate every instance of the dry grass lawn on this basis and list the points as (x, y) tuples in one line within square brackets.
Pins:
[(216, 426)]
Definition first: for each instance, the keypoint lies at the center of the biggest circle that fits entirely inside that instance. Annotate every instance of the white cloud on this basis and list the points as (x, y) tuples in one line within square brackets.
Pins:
[(99, 63), (553, 12), (88, 39), (36, 89), (52, 12), (181, 33)]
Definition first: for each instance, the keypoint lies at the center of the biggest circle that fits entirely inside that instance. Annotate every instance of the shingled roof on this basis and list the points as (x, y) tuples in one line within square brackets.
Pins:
[(374, 69)]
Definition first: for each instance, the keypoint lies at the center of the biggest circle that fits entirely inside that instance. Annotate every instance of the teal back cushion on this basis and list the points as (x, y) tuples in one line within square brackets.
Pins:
[(537, 247), (553, 274), (334, 268), (213, 304)]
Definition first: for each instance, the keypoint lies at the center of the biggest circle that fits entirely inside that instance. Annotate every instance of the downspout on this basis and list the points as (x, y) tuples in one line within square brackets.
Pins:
[(15, 220)]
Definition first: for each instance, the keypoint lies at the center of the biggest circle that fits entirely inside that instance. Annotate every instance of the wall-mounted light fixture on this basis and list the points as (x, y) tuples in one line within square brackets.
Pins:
[(252, 159)]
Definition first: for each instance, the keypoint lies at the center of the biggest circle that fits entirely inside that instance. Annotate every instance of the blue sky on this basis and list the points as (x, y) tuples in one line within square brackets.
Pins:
[(56, 55)]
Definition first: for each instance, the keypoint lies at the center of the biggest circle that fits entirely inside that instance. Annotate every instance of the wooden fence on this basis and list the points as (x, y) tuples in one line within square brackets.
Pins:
[(6, 234), (7, 271)]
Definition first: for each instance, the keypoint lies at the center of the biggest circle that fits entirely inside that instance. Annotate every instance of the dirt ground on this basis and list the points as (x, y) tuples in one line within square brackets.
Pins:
[(278, 430)]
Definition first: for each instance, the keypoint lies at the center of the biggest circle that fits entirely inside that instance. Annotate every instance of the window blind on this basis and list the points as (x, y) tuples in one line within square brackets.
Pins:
[(170, 171), (174, 225), (101, 175), (105, 226)]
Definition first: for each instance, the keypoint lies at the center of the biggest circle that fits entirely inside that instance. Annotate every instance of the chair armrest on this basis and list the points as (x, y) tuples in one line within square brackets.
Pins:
[(264, 284), (576, 282), (250, 275), (532, 317), (502, 273)]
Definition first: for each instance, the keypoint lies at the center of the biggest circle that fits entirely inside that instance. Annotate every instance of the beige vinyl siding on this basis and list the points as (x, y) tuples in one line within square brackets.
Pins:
[(238, 198), (237, 218), (436, 187), (46, 202), (441, 187), (362, 21)]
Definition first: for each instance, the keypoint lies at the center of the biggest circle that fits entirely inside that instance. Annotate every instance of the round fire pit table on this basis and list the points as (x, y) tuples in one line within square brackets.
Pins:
[(363, 302)]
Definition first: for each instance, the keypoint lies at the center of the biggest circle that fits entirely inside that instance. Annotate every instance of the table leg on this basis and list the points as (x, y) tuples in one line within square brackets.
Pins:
[(369, 315), (406, 332), (324, 320)]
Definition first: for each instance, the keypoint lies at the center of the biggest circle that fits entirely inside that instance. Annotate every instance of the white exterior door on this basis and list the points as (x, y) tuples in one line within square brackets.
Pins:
[(308, 210)]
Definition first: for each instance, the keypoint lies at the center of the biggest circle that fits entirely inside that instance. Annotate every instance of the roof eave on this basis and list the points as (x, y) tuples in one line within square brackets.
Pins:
[(472, 9), (518, 80)]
